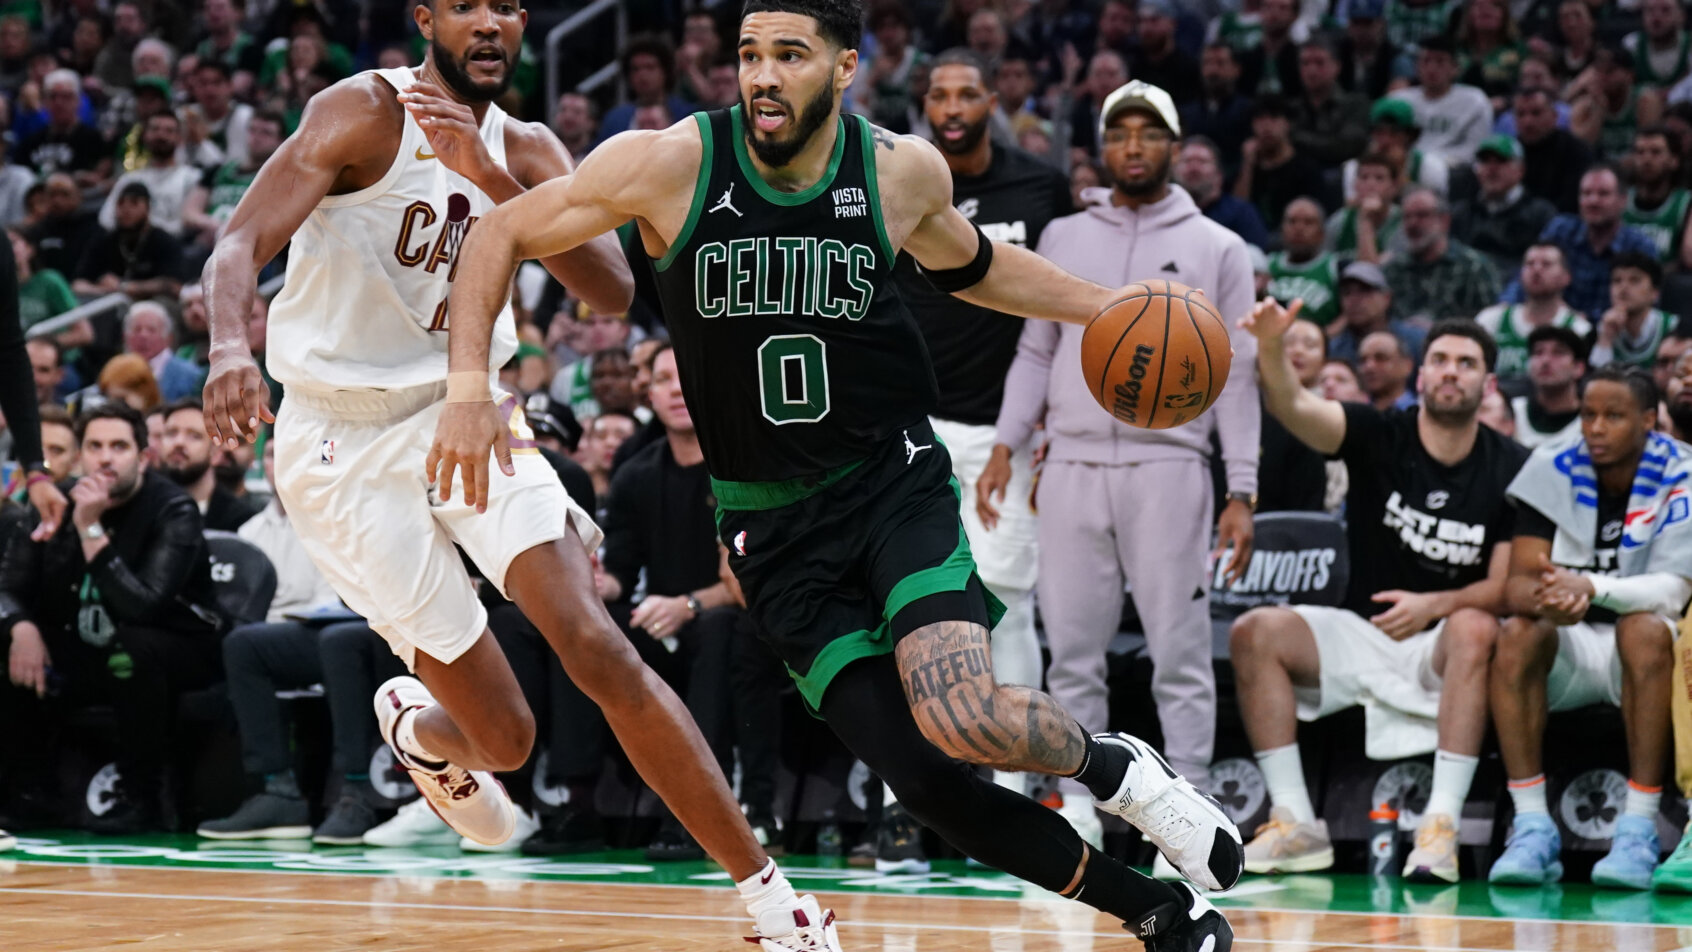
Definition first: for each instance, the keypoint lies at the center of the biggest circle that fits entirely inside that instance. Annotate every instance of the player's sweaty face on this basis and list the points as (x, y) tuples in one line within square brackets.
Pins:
[(475, 45), (787, 73)]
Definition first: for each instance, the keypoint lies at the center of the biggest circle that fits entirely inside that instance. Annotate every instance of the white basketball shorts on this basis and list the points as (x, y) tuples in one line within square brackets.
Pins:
[(349, 469)]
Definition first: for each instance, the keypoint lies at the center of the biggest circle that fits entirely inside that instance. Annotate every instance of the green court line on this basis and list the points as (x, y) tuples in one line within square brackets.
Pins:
[(1344, 894)]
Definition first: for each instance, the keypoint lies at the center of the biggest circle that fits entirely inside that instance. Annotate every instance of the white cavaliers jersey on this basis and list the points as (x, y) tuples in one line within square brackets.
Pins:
[(364, 303)]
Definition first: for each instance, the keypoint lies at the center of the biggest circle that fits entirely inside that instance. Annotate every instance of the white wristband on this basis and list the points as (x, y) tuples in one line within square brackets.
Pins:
[(468, 386)]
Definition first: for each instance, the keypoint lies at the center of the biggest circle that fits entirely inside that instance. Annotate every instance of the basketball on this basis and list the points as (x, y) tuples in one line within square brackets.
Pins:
[(1157, 356)]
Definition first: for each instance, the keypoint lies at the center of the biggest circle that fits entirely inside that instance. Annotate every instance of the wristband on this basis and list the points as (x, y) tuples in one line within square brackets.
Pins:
[(36, 477), (468, 386)]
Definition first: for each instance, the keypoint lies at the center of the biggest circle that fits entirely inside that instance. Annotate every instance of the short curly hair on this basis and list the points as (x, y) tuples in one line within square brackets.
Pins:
[(840, 22)]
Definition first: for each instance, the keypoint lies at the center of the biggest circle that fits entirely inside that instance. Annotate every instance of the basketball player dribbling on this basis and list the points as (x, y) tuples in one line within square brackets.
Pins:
[(773, 228), (378, 188)]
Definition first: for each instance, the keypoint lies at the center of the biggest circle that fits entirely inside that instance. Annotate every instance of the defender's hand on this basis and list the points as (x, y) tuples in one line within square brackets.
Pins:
[(990, 485), (236, 400), (451, 128), (463, 437)]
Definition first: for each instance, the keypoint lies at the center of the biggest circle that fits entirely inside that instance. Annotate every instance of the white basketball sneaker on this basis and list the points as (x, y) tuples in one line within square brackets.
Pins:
[(1185, 824), (470, 801), (808, 928)]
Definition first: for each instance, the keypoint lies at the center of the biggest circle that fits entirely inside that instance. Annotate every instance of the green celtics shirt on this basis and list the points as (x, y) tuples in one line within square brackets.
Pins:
[(1663, 224), (1316, 281)]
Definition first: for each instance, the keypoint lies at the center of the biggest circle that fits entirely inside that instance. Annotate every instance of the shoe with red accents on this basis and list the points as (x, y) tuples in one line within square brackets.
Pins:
[(472, 802), (806, 928)]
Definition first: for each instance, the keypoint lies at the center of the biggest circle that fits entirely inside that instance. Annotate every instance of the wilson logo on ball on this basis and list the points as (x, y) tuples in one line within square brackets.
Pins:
[(1157, 356), (1128, 393)]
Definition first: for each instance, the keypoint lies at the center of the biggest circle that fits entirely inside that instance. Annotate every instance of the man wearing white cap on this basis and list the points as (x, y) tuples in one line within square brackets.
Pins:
[(1119, 504)]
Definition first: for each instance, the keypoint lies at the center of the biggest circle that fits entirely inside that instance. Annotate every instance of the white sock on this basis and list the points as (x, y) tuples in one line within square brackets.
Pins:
[(1453, 774), (405, 734), (1529, 795), (767, 889), (1283, 773), (1643, 801)]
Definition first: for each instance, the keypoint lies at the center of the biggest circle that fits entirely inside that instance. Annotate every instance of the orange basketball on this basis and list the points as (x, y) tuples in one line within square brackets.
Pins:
[(1157, 356)]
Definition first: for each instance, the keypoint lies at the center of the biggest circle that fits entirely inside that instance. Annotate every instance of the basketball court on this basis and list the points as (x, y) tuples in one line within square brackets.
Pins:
[(74, 892)]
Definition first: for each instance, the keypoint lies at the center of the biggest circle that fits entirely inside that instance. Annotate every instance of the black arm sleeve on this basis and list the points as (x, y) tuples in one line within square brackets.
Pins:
[(137, 593), (17, 381)]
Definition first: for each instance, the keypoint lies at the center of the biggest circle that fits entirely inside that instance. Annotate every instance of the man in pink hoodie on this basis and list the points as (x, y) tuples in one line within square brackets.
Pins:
[(1118, 503)]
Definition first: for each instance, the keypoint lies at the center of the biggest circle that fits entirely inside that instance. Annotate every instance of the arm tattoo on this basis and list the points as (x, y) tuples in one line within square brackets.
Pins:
[(883, 138)]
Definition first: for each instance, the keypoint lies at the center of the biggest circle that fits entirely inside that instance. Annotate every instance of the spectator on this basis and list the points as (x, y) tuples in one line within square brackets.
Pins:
[(1199, 171), (1492, 48), (1116, 27), (47, 366), (1544, 278), (1370, 227), (212, 201), (1502, 220), (1219, 113), (114, 66), (142, 628), (1157, 59), (1669, 352), (604, 435), (66, 143), (15, 184), (1454, 117), (1608, 107), (1592, 240), (1536, 73), (1662, 49), (1385, 366), (1094, 456), (1368, 62), (1290, 475), (127, 379), (150, 97), (283, 653), (185, 458), (1330, 123), (1412, 641), (43, 294), (1578, 32), (1271, 65), (1633, 327), (60, 448), (576, 123), (1338, 381), (1656, 204), (1013, 84), (1272, 171), (1678, 400), (1413, 23), (1365, 308), (1439, 277), (649, 72), (886, 95), (226, 43), (15, 51), (167, 181), (1495, 412), (1550, 410), (1393, 133), (1594, 594), (987, 37), (1302, 269), (1106, 71), (135, 259), (65, 230), (701, 49), (1554, 159), (660, 526), (149, 334), (215, 116)]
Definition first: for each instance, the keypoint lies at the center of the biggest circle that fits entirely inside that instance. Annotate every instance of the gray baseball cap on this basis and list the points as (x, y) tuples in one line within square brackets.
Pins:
[(1365, 272)]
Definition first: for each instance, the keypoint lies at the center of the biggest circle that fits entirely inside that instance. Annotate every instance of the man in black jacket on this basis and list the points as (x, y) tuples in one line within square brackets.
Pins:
[(115, 607), (184, 454)]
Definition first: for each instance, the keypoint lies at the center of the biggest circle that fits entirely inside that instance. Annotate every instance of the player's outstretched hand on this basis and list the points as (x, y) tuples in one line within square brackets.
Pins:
[(451, 128), (464, 437), (1268, 320), (236, 400)]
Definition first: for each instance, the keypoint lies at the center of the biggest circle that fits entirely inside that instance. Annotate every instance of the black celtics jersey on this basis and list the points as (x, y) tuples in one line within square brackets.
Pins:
[(795, 352)]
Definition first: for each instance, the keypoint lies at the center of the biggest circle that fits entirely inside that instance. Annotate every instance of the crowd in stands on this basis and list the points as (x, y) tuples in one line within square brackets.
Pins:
[(1522, 167)]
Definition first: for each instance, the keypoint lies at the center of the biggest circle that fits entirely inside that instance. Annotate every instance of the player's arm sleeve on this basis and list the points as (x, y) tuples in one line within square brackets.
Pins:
[(625, 529), (1663, 593), (1024, 403), (136, 593), (1239, 412)]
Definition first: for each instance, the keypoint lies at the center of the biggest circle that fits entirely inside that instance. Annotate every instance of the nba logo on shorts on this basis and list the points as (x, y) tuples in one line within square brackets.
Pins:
[(740, 542), (327, 452)]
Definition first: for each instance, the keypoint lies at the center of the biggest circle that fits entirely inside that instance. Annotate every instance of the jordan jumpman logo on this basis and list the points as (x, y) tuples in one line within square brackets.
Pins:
[(726, 202), (911, 449)]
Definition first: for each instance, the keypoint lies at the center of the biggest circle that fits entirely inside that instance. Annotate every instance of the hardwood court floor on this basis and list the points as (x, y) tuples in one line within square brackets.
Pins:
[(246, 900)]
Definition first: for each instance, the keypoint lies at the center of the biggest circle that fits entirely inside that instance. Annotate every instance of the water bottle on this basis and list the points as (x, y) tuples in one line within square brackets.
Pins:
[(1383, 841)]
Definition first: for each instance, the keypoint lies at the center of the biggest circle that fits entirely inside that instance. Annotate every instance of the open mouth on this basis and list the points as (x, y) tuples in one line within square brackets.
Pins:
[(953, 132), (487, 59), (768, 116)]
